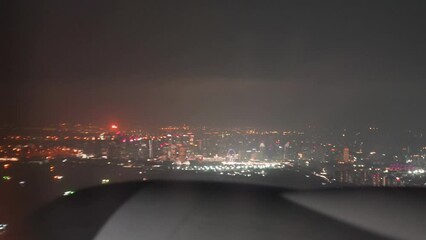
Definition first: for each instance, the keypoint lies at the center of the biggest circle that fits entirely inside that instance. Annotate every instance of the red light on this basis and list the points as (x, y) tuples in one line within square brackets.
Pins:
[(114, 126)]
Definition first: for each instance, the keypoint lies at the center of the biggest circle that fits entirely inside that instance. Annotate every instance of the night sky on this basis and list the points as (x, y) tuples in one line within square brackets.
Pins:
[(220, 63)]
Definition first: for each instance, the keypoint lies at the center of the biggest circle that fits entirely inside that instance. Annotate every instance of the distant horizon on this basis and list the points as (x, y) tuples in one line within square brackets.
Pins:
[(211, 126)]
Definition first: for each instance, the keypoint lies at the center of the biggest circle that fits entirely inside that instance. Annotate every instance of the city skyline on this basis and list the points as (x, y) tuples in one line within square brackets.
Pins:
[(383, 158), (45, 163)]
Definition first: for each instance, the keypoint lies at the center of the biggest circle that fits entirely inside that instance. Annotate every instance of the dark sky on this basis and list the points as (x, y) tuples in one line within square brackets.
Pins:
[(262, 63)]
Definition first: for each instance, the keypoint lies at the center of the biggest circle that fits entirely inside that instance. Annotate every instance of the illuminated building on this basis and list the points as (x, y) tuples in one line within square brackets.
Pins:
[(344, 173), (345, 155), (150, 150), (262, 151), (182, 152)]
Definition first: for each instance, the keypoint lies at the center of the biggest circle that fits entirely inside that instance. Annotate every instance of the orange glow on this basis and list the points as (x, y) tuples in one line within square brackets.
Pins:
[(6, 166), (114, 126)]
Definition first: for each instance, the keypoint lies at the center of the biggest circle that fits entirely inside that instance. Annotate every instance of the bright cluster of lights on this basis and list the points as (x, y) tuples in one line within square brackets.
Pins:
[(67, 193), (2, 226), (234, 168), (7, 178), (417, 171), (13, 159)]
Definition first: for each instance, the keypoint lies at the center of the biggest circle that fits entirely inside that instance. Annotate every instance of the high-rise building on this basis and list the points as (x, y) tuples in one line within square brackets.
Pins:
[(150, 150), (262, 151), (345, 155)]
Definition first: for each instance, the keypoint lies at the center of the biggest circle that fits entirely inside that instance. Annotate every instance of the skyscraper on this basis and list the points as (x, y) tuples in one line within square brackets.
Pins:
[(262, 151), (346, 155), (150, 151)]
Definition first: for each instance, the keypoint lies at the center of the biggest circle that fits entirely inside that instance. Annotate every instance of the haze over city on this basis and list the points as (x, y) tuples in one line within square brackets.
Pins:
[(214, 63)]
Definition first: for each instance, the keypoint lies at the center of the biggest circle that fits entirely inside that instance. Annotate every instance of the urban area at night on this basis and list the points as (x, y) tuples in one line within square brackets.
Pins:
[(41, 164), (213, 120)]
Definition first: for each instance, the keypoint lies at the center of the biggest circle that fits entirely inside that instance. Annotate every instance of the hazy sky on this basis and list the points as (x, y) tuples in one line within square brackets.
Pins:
[(265, 63)]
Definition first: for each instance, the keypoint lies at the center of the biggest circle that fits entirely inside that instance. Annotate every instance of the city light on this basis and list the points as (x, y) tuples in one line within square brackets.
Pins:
[(7, 178), (12, 159), (67, 193), (2, 226), (58, 177)]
